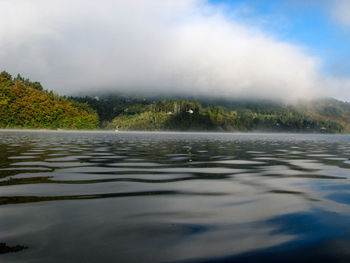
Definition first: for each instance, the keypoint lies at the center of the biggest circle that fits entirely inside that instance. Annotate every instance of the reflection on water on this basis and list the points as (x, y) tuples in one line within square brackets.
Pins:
[(174, 197), (4, 248)]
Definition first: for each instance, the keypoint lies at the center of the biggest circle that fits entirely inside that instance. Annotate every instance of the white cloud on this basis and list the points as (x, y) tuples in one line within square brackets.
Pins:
[(341, 11), (159, 46)]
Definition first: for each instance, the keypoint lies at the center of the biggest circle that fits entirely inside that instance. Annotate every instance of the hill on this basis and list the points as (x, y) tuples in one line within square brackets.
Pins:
[(130, 113), (25, 104)]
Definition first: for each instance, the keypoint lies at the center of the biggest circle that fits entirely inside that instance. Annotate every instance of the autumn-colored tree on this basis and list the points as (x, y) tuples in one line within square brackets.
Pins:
[(25, 104)]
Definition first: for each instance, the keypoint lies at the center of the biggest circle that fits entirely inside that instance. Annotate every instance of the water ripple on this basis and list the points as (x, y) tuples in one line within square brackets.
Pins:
[(178, 197)]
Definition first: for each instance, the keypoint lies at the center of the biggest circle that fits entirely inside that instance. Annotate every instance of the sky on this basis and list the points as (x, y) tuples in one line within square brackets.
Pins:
[(276, 49)]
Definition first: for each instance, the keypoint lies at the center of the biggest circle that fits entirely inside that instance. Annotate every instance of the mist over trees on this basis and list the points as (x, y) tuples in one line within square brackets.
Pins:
[(25, 104), (130, 113)]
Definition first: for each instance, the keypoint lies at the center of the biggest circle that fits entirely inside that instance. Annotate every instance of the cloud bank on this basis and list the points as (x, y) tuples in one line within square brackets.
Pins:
[(154, 47)]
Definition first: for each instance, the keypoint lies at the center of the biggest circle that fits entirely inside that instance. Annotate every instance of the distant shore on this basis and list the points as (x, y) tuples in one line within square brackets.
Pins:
[(161, 131)]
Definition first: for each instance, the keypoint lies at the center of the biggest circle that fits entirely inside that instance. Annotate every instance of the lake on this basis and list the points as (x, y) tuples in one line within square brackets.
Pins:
[(174, 197)]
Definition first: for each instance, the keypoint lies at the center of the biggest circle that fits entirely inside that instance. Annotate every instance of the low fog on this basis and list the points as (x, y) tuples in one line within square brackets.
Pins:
[(182, 47)]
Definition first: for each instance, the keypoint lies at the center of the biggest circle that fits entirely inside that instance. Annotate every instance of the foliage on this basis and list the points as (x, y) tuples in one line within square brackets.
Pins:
[(25, 104), (180, 114), (112, 106)]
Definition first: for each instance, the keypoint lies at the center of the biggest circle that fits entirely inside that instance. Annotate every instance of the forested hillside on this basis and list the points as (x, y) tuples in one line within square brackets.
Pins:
[(25, 104), (323, 115)]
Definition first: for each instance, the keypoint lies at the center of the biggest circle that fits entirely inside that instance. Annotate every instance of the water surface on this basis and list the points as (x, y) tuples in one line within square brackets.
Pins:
[(174, 197)]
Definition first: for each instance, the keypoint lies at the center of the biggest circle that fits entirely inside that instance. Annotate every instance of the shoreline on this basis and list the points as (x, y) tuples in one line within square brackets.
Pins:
[(167, 132)]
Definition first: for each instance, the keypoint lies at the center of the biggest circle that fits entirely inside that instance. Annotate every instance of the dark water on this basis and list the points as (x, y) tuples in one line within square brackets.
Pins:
[(167, 197)]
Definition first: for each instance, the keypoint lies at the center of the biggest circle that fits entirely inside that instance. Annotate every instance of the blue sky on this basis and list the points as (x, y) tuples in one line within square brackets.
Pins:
[(307, 23)]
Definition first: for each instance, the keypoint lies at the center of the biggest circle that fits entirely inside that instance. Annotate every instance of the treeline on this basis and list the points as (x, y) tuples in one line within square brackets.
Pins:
[(6, 77), (180, 114), (25, 104), (109, 107)]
